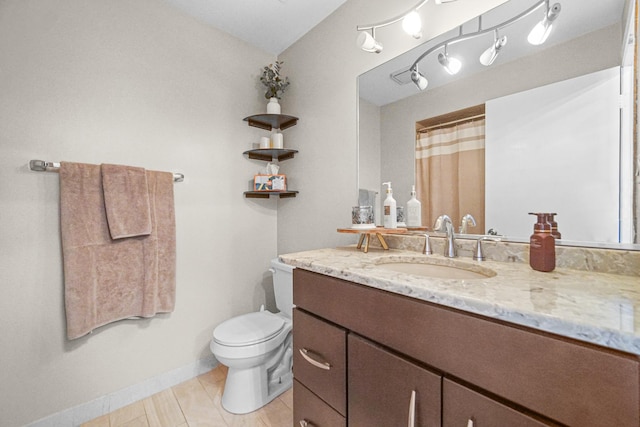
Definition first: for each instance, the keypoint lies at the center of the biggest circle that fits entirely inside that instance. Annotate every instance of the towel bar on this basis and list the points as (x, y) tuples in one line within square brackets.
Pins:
[(44, 166)]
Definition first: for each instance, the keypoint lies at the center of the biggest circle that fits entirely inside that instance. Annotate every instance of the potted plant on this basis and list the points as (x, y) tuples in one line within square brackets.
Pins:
[(275, 84)]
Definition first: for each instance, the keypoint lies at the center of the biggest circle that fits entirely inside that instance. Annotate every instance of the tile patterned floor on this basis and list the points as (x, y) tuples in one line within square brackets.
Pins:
[(196, 402)]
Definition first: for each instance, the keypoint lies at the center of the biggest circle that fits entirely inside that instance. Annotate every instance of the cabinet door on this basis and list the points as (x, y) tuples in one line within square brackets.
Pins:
[(463, 407), (310, 411), (387, 390), (320, 358)]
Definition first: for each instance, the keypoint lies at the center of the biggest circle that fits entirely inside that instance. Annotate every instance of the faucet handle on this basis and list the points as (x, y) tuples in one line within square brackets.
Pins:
[(478, 254), (427, 245)]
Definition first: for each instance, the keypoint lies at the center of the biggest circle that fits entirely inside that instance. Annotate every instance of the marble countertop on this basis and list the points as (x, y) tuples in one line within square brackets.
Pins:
[(599, 308)]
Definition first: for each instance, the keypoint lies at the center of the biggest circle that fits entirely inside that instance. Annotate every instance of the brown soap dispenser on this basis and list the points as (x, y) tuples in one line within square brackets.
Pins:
[(542, 245)]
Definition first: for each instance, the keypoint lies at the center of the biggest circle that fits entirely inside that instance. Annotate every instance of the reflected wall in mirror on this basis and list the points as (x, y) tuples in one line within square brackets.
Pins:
[(589, 39)]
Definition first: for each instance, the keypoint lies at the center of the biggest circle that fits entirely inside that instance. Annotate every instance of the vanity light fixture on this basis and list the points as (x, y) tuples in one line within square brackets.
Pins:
[(490, 55), (541, 31), (450, 64), (537, 36), (411, 23), (416, 77), (368, 43)]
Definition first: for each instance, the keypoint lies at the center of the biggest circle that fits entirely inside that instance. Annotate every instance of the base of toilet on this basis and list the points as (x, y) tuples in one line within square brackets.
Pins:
[(238, 398)]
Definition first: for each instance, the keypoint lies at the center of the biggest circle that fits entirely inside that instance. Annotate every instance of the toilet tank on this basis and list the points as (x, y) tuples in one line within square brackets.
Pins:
[(283, 286)]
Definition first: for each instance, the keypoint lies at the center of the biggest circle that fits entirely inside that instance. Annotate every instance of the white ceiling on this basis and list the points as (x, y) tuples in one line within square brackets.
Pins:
[(271, 25)]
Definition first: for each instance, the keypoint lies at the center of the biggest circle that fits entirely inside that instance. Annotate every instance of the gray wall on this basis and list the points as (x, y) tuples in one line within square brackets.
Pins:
[(131, 83)]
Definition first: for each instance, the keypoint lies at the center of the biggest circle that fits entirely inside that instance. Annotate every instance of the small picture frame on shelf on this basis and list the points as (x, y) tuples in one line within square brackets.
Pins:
[(270, 183)]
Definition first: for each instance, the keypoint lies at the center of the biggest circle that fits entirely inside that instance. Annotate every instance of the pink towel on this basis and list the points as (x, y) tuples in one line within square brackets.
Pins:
[(108, 280), (126, 200)]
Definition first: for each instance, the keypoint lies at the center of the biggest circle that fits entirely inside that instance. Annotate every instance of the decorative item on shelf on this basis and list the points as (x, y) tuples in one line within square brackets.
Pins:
[(269, 179), (273, 107), (265, 142), (270, 182), (277, 140), (275, 84), (362, 217)]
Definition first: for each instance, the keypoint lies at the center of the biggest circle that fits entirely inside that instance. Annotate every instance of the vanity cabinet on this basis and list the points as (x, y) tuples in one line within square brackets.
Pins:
[(490, 370), (320, 364), (388, 390), (465, 407)]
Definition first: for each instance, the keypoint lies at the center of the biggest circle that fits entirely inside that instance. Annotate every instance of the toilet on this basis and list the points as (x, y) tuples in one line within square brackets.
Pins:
[(257, 349)]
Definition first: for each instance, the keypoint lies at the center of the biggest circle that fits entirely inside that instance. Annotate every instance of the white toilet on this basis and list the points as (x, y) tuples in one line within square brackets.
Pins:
[(257, 349)]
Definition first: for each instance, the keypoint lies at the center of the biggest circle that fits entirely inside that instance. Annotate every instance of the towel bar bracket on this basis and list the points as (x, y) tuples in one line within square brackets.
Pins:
[(44, 166)]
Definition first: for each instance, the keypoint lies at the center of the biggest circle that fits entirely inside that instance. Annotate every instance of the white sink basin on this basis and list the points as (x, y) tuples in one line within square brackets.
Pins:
[(453, 271)]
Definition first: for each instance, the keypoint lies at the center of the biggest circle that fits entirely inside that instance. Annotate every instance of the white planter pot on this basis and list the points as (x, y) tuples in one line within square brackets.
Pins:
[(273, 107)]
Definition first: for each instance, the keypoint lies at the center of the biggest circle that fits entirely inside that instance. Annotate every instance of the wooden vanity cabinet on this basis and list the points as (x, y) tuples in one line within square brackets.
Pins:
[(388, 390), (535, 376), (320, 365), (466, 407)]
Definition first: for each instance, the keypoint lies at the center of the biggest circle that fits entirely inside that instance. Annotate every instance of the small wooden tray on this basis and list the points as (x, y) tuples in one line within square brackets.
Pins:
[(365, 235)]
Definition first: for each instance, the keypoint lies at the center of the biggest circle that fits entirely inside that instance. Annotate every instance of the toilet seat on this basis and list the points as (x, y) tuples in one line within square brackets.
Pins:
[(248, 329)]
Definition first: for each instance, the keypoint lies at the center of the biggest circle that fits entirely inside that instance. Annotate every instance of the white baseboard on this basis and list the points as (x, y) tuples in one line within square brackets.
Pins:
[(77, 415)]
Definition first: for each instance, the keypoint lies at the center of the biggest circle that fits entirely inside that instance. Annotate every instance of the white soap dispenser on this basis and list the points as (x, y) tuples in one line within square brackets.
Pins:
[(389, 208), (414, 210)]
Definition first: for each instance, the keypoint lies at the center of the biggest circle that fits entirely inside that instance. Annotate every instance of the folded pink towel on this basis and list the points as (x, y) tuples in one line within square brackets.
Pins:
[(126, 200), (108, 280)]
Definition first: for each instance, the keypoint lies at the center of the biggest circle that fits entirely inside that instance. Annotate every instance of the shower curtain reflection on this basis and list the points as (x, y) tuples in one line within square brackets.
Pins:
[(450, 172)]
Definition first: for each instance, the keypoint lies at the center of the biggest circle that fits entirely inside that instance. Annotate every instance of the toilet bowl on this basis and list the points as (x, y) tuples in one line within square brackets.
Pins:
[(257, 349)]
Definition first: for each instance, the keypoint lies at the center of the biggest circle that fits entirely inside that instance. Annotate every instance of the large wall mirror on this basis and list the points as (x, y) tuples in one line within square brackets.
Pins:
[(559, 120)]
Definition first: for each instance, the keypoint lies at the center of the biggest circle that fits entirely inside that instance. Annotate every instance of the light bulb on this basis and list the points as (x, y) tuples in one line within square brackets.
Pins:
[(420, 81), (541, 31), (490, 55), (366, 42), (412, 24), (451, 65)]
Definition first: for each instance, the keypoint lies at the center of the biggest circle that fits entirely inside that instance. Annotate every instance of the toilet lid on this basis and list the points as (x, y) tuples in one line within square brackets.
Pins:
[(248, 329)]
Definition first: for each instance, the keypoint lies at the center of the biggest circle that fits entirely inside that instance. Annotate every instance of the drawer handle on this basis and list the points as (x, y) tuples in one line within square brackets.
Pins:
[(412, 409), (305, 423), (306, 354)]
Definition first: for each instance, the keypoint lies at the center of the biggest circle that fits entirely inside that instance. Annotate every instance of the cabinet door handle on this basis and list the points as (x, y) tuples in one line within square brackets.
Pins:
[(412, 409), (306, 354), (470, 422), (305, 423)]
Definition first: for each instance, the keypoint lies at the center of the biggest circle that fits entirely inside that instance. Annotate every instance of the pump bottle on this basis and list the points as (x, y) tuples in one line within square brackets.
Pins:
[(414, 210), (542, 245), (389, 208), (554, 225)]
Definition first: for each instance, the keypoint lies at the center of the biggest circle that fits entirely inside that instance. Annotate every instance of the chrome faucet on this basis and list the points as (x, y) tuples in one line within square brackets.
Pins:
[(468, 218), (478, 255), (443, 223)]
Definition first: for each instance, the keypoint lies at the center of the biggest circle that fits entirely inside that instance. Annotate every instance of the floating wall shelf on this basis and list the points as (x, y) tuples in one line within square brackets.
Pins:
[(267, 194), (269, 154), (271, 121)]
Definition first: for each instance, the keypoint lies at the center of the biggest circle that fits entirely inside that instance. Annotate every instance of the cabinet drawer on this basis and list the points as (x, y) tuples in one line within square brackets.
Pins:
[(309, 409), (565, 380), (319, 358), (462, 405), (387, 390)]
